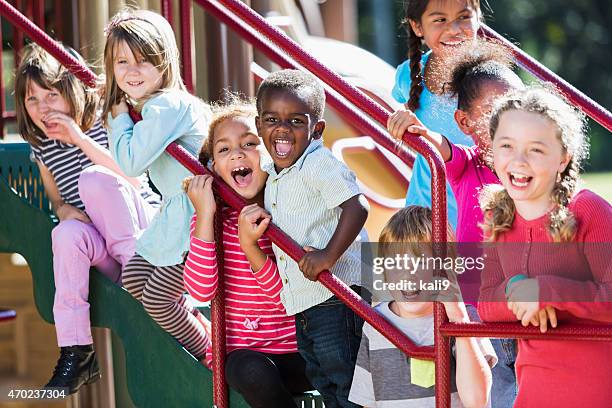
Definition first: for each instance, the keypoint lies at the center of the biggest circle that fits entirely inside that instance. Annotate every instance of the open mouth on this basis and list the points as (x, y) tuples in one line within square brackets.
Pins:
[(282, 148), (519, 180), (409, 295), (452, 43), (49, 125), (135, 83), (242, 176)]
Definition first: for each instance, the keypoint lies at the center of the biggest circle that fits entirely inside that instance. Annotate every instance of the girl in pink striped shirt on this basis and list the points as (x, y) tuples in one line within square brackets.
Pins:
[(262, 362)]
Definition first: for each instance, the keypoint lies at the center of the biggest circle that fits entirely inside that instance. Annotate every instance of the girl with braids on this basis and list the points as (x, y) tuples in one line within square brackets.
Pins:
[(538, 144), (262, 362), (441, 25), (481, 74)]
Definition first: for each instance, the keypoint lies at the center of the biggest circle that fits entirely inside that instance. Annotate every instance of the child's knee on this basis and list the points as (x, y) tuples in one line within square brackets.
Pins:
[(158, 305), (95, 181), (248, 370), (68, 235)]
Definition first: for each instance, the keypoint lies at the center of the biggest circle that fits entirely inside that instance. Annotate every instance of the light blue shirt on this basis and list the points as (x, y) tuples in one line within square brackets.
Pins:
[(168, 117), (437, 112), (304, 201)]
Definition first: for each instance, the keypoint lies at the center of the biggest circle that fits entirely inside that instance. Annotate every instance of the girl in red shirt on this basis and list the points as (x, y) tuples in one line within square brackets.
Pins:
[(559, 272), (262, 362)]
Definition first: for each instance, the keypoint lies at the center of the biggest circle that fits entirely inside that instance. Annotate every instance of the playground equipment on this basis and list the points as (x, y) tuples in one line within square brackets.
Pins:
[(112, 307)]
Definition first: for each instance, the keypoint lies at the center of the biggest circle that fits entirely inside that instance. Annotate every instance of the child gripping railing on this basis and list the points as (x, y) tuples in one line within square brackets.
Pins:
[(248, 24)]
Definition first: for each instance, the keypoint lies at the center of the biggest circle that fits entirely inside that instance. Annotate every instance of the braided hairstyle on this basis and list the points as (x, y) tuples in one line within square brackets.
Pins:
[(413, 11), (496, 203)]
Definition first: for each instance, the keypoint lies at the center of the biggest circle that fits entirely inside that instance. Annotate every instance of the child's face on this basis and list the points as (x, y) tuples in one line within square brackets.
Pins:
[(40, 101), (134, 74), (446, 24), (237, 152), (527, 156), (410, 299), (286, 126), (475, 122)]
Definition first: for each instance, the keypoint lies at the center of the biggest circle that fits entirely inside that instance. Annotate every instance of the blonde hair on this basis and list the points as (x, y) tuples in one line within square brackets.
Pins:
[(495, 202), (149, 35), (411, 226), (40, 67)]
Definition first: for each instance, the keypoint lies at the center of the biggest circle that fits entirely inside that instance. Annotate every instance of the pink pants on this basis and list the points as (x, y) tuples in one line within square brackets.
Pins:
[(119, 214)]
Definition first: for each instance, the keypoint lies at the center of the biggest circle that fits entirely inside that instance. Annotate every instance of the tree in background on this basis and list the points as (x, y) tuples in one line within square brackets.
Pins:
[(572, 38)]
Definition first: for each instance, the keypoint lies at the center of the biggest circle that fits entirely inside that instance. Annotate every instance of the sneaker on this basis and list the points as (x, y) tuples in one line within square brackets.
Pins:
[(77, 365)]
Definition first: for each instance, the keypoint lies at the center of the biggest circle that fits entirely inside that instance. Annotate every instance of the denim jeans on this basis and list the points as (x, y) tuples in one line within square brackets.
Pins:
[(504, 389), (328, 337)]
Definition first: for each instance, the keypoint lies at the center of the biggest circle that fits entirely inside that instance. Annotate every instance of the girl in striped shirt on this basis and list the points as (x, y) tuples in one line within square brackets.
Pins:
[(101, 212), (262, 362)]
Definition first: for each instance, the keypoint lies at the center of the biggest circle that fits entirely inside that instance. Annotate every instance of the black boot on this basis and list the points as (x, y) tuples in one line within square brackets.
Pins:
[(77, 365)]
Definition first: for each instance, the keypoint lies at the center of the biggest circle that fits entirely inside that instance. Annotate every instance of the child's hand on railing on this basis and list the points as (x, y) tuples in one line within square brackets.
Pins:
[(405, 120), (315, 261), (542, 318), (199, 191), (252, 223), (68, 212), (524, 302), (456, 312)]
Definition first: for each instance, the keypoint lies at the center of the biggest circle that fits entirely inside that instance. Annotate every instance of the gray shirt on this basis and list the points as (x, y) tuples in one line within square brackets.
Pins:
[(386, 378)]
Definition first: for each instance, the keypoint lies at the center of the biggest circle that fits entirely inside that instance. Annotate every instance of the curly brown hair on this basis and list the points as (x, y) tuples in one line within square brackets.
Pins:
[(495, 202)]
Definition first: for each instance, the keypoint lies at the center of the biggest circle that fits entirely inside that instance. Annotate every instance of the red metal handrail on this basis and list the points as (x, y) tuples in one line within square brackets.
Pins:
[(257, 23), (186, 44), (51, 46), (597, 112), (345, 109)]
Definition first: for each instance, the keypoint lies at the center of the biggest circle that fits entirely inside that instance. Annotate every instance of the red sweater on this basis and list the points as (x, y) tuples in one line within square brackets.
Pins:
[(255, 317), (553, 373)]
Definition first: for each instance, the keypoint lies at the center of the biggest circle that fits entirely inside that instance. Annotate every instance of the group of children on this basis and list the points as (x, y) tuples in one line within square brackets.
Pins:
[(286, 333)]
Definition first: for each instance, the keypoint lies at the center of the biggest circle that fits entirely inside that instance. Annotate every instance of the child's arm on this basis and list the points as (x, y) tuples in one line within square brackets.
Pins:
[(165, 118), (473, 376), (354, 214), (249, 231), (588, 297), (201, 269), (492, 305), (93, 150), (404, 120), (263, 267), (362, 387), (62, 210)]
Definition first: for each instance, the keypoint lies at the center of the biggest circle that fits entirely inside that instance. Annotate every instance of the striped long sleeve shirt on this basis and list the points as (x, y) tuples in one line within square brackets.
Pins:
[(254, 314)]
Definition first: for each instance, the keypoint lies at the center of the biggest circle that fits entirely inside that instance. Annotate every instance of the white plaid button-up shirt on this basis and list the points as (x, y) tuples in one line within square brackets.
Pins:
[(304, 200)]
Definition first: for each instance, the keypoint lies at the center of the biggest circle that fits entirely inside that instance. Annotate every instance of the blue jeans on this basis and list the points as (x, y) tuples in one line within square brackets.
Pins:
[(503, 391), (328, 337)]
